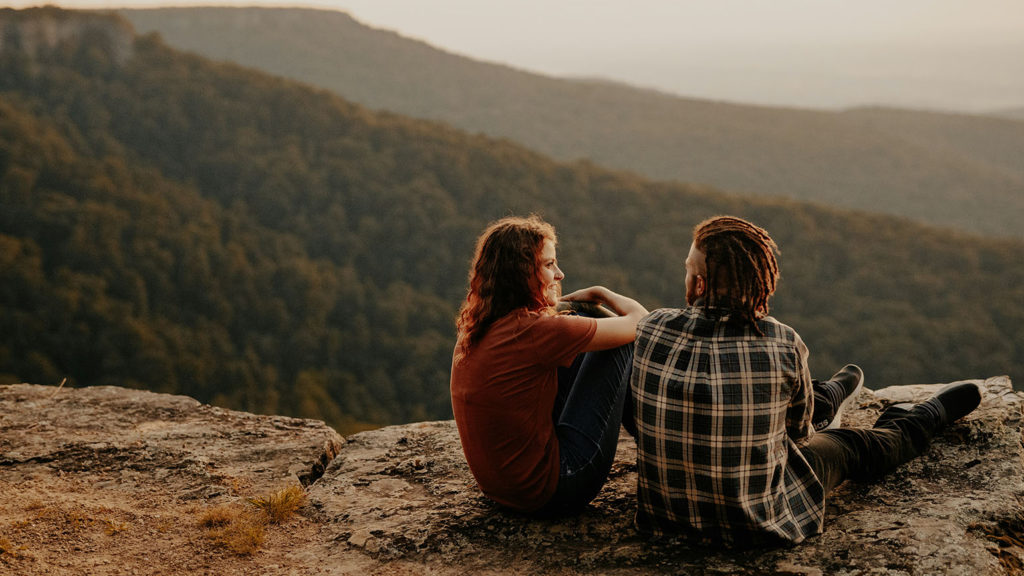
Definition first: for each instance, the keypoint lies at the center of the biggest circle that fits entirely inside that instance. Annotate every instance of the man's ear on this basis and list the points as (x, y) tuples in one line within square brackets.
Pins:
[(700, 285)]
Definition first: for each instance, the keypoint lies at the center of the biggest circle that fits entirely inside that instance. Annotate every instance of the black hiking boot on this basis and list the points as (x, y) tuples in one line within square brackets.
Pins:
[(951, 403), (842, 387)]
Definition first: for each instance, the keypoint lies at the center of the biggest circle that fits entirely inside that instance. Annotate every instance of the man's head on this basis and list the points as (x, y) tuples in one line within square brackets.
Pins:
[(732, 265)]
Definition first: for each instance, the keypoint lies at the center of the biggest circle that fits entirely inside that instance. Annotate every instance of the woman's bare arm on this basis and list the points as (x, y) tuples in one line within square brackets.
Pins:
[(616, 331)]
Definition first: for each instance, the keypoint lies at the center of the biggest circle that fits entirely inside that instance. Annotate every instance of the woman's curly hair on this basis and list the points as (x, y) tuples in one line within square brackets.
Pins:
[(503, 276)]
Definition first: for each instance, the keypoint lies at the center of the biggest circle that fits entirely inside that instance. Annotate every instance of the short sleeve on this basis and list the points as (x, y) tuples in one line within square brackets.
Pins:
[(557, 340)]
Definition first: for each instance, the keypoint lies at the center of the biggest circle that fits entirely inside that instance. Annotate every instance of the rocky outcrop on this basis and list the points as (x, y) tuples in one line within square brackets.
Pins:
[(111, 481), (146, 435), (405, 493), (400, 500)]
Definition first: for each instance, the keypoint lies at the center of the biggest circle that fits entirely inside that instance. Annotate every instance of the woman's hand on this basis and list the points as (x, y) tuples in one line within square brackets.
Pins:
[(618, 303), (611, 332), (591, 294)]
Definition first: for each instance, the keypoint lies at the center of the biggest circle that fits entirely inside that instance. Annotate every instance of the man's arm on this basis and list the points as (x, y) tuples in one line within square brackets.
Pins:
[(801, 404)]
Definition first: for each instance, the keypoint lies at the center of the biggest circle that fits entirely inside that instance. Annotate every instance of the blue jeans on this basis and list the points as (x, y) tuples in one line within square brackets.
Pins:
[(867, 454), (588, 411)]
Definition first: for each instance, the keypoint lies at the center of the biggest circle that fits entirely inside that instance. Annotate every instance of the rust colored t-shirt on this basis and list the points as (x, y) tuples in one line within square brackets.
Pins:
[(503, 393)]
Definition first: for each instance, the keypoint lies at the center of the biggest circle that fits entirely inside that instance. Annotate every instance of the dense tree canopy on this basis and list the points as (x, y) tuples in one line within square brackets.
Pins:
[(198, 228), (953, 170)]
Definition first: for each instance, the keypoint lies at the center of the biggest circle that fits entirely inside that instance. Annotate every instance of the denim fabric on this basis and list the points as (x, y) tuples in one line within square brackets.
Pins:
[(588, 412)]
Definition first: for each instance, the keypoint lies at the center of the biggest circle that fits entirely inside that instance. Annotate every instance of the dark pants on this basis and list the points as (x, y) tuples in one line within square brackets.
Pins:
[(867, 454), (588, 412), (827, 398)]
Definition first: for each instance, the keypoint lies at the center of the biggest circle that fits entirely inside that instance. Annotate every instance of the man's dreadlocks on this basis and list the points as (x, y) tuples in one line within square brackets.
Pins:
[(741, 266)]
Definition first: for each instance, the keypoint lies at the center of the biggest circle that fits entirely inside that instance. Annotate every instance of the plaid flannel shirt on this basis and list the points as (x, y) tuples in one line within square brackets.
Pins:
[(720, 411)]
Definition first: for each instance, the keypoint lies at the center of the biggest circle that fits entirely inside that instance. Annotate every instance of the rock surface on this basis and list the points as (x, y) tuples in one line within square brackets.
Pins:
[(110, 481)]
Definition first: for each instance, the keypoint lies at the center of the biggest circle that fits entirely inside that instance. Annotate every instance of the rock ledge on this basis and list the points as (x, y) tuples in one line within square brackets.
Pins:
[(110, 481), (404, 494)]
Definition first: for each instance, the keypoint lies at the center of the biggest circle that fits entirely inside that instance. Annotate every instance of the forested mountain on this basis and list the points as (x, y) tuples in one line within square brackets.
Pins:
[(947, 169), (199, 228)]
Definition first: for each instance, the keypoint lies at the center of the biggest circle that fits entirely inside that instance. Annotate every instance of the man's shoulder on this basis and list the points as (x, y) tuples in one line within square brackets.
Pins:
[(696, 319), (662, 314), (666, 316), (772, 328)]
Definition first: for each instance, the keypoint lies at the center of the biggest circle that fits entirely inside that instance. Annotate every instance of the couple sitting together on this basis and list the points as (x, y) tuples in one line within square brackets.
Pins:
[(736, 444)]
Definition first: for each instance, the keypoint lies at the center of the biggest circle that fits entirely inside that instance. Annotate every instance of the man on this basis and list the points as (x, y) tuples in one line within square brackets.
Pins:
[(725, 407)]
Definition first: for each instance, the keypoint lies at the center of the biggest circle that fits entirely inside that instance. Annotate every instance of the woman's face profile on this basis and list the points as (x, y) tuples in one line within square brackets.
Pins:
[(550, 275)]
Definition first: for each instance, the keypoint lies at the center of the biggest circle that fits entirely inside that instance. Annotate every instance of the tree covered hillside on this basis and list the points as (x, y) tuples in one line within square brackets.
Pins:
[(951, 170), (191, 227)]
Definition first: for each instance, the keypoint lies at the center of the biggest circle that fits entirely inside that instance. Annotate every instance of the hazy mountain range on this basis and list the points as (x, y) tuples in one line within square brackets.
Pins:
[(1014, 113), (187, 226), (954, 170)]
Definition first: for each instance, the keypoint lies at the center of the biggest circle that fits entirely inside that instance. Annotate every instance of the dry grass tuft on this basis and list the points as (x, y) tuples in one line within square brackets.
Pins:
[(165, 525), (8, 549), (281, 505), (218, 516), (241, 529), (235, 528), (111, 527)]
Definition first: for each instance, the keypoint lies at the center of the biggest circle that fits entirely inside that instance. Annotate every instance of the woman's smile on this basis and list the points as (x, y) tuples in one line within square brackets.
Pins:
[(550, 274)]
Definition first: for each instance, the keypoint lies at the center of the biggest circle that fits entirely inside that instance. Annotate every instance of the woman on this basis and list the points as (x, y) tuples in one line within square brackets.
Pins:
[(538, 396)]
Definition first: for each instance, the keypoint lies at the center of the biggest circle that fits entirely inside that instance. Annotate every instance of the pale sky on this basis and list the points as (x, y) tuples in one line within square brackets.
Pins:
[(945, 54)]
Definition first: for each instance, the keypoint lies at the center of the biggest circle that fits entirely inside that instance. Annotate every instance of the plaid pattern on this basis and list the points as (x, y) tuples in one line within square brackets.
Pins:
[(720, 412)]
